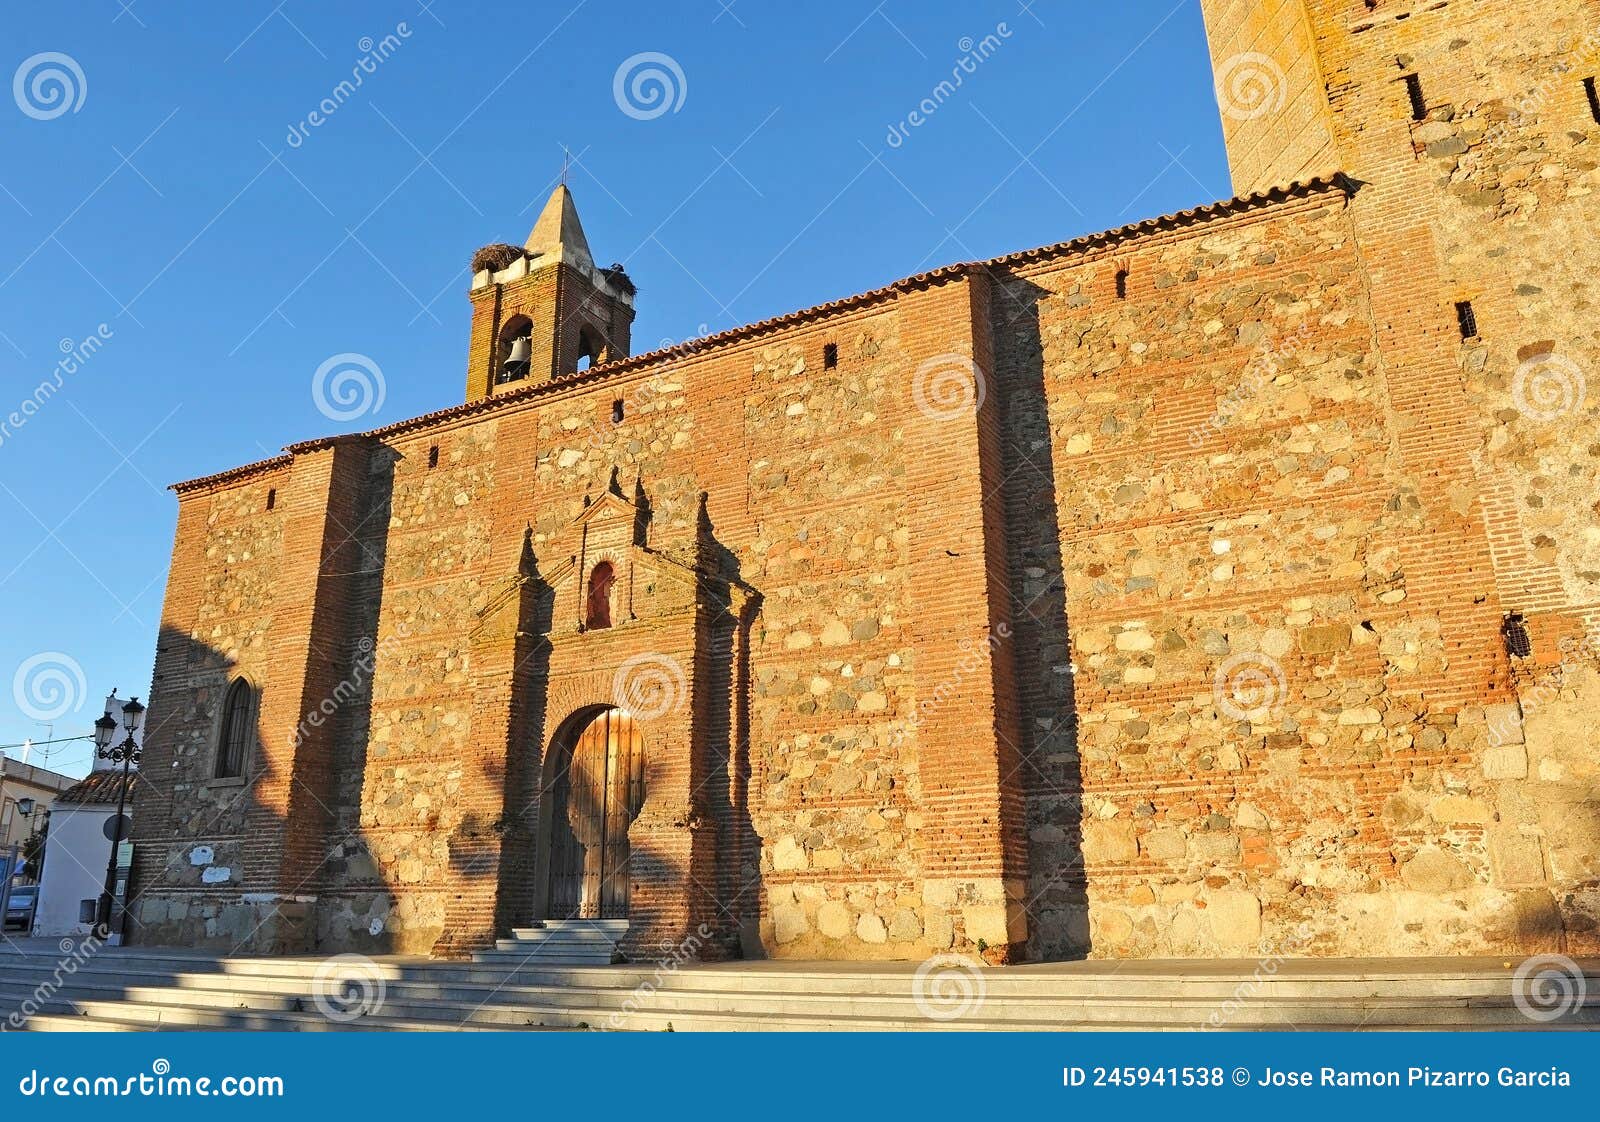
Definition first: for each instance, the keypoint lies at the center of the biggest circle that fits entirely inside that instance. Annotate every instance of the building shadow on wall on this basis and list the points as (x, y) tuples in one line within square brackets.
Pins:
[(521, 773), (246, 865), (722, 711), (357, 910), (1052, 774)]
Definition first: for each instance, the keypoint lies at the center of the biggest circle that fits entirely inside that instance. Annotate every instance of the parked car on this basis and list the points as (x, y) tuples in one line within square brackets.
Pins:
[(24, 901)]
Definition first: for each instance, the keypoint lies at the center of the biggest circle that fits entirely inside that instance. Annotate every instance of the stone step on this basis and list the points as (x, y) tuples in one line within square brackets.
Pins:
[(765, 978), (523, 1005), (567, 942), (615, 927), (63, 1023), (513, 960), (434, 985), (119, 1017), (574, 935), (90, 1016), (517, 956), (555, 942), (166, 990)]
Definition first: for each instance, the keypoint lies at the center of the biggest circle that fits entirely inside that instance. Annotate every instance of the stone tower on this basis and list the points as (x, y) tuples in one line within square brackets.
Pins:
[(1472, 134), (544, 310), (1310, 86)]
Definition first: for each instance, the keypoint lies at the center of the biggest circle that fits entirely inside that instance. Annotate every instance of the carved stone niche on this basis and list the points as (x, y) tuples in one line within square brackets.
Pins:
[(610, 577)]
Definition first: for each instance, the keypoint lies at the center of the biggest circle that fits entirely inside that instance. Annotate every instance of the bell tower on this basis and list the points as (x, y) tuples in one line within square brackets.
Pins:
[(1276, 117), (544, 309)]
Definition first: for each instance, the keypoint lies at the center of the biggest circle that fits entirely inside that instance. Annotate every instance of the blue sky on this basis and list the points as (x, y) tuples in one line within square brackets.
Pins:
[(153, 198)]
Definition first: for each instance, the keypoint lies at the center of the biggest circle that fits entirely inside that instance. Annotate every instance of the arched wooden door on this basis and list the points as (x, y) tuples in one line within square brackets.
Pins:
[(595, 798)]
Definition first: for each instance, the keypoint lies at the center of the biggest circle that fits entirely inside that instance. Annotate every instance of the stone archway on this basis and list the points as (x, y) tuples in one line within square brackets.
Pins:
[(593, 792)]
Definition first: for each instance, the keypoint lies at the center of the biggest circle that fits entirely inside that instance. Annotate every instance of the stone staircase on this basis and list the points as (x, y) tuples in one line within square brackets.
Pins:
[(559, 942), (130, 989)]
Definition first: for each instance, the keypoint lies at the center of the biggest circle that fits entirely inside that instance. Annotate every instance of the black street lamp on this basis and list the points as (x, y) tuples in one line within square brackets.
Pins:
[(127, 753)]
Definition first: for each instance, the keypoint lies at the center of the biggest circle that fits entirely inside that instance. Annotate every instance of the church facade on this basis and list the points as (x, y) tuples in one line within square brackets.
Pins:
[(1220, 584)]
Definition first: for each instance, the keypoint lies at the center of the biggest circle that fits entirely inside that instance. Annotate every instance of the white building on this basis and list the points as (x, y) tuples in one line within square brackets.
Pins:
[(26, 794), (82, 822)]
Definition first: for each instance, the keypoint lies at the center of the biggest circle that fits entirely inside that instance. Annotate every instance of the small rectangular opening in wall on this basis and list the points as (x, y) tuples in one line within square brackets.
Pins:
[(433, 456), (1466, 319), (616, 412), (830, 355), (272, 497), (1419, 103), (1122, 284), (1594, 98), (1518, 642)]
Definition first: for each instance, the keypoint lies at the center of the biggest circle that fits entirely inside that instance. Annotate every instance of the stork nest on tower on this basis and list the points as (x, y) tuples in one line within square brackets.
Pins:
[(496, 257)]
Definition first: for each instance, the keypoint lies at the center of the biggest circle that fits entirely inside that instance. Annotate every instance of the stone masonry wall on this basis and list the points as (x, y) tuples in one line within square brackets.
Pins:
[(1137, 597), (217, 627), (1493, 196), (1251, 741), (805, 474), (806, 487)]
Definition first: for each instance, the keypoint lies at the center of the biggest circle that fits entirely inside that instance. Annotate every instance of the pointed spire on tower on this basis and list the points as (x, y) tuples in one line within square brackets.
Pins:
[(558, 235)]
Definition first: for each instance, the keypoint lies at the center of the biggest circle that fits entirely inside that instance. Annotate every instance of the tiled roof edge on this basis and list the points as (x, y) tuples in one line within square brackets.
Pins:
[(231, 475), (1335, 181)]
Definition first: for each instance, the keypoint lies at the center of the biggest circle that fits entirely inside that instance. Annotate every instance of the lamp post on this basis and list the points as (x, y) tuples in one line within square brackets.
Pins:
[(26, 807), (127, 753)]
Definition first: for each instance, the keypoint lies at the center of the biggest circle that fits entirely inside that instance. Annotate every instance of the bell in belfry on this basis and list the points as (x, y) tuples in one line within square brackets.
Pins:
[(517, 358)]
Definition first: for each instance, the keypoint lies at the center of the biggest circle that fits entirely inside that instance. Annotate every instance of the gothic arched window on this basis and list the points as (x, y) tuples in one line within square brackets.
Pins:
[(238, 719), (598, 610)]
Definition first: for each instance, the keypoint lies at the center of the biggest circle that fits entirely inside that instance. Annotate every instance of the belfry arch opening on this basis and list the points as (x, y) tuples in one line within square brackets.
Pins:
[(591, 351), (516, 349)]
